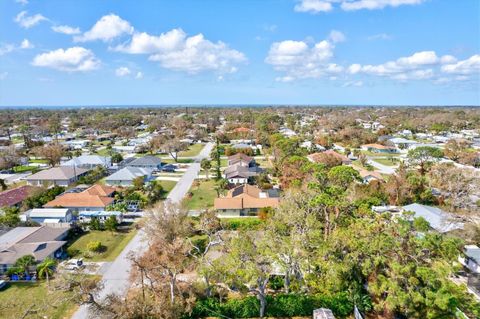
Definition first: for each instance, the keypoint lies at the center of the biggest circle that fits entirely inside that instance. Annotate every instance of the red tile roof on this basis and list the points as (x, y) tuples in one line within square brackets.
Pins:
[(15, 196)]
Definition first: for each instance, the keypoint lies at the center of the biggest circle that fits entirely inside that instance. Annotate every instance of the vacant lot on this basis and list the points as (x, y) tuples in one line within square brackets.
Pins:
[(17, 298), (202, 195), (113, 243), (193, 150)]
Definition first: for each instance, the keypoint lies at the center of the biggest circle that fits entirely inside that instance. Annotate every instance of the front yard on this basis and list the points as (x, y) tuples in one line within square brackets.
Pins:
[(193, 150), (113, 243), (202, 194), (17, 298)]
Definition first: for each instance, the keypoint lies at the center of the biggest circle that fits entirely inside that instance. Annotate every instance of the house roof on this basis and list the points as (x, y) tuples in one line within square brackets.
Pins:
[(129, 173), (82, 199), (473, 252), (438, 219), (240, 156), (239, 170), (89, 160), (37, 241), (365, 173), (146, 161), (245, 196), (15, 196), (100, 190), (378, 146), (58, 173), (47, 212)]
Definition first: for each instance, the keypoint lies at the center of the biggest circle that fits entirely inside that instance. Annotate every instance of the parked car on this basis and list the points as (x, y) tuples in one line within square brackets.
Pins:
[(73, 264), (169, 168)]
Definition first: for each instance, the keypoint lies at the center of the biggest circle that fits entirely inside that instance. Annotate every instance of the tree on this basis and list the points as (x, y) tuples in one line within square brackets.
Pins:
[(154, 192), (45, 269), (206, 165), (138, 182), (173, 146), (95, 224), (10, 217), (455, 149), (423, 157), (52, 153), (111, 223), (23, 263), (9, 157), (117, 157)]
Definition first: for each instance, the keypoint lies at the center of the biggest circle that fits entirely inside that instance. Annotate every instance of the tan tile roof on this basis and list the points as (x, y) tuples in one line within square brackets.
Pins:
[(378, 146), (245, 196), (100, 190), (80, 200), (315, 156)]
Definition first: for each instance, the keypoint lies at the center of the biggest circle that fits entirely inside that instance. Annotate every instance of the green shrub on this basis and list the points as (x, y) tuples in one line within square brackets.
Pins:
[(284, 305), (94, 246), (242, 223), (72, 252)]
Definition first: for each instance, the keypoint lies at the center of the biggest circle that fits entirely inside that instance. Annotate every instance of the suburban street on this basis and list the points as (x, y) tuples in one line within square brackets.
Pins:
[(115, 278)]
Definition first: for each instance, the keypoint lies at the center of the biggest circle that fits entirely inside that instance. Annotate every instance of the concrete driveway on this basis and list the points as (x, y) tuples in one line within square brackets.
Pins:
[(116, 278)]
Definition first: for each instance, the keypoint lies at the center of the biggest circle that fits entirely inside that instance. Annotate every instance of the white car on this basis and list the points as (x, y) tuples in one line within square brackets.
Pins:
[(73, 264)]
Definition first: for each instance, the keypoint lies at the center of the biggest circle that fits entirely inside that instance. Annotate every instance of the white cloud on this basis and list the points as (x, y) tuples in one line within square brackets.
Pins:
[(107, 28), (139, 75), (70, 60), (380, 36), (316, 6), (3, 75), (337, 36), (299, 61), (22, 2), (122, 71), (353, 84), (176, 51), (465, 67), (6, 48), (65, 29), (376, 4), (26, 21), (26, 44)]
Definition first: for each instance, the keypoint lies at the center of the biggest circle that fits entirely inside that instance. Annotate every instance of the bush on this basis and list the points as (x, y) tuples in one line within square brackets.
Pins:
[(241, 223), (284, 305), (94, 246), (71, 252)]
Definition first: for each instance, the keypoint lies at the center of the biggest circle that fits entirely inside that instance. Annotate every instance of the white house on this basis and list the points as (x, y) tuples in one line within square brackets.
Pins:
[(471, 260), (47, 215)]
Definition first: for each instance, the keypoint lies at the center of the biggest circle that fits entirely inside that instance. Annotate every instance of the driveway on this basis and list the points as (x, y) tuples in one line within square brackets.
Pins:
[(384, 169), (116, 278)]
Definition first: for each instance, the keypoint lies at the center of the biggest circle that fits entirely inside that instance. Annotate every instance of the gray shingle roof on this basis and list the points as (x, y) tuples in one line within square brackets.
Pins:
[(58, 173), (129, 173), (438, 219)]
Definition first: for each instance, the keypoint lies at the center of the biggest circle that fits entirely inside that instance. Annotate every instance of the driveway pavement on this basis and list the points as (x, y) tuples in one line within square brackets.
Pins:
[(115, 278), (384, 169)]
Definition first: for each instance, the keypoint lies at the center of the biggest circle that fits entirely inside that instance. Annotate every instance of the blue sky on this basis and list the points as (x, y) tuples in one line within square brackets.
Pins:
[(118, 52)]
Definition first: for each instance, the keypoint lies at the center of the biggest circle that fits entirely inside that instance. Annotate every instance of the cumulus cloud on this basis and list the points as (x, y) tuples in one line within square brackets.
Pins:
[(337, 36), (26, 21), (107, 28), (139, 75), (298, 60), (65, 29), (122, 71), (175, 50), (26, 44), (6, 48), (465, 67), (70, 60), (316, 6)]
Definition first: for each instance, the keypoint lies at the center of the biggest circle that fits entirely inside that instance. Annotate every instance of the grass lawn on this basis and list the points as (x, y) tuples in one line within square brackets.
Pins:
[(103, 152), (23, 168), (203, 195), (392, 161), (114, 243), (263, 163), (372, 154), (18, 297), (38, 161), (180, 161), (167, 186), (193, 150)]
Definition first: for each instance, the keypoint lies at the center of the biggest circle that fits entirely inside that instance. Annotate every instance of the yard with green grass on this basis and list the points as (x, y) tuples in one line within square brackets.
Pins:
[(203, 194), (391, 161), (18, 297), (24, 168), (114, 242), (38, 161), (193, 150), (180, 161), (167, 185)]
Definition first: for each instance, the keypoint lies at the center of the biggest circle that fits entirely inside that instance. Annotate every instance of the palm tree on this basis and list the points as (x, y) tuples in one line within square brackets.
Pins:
[(24, 262), (45, 269), (206, 165)]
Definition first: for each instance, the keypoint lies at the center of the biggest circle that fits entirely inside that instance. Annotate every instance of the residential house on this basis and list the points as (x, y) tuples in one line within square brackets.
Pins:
[(15, 197), (149, 162), (402, 143), (241, 159), (40, 242), (89, 161), (48, 215), (246, 200), (57, 176), (378, 148), (239, 174), (315, 157), (438, 219), (126, 175), (368, 176), (102, 216), (95, 198)]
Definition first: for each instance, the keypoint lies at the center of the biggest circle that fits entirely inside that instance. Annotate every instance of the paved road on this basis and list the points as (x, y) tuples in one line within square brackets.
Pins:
[(115, 278)]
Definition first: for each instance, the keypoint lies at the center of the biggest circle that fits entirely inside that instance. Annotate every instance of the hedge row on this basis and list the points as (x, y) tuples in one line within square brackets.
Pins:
[(242, 223), (285, 305)]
